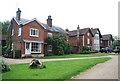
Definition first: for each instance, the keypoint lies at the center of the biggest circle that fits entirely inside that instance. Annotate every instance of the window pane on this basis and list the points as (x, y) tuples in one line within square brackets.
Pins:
[(35, 47), (49, 34)]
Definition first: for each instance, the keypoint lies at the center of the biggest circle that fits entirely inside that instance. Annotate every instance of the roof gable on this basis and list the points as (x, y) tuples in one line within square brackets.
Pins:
[(82, 32), (45, 26), (107, 37), (95, 30)]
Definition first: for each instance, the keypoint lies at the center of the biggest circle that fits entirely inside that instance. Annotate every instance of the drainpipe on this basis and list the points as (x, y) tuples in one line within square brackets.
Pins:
[(21, 25), (83, 40)]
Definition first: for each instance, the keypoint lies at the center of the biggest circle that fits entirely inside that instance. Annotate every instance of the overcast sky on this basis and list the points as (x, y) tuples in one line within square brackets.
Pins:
[(102, 14)]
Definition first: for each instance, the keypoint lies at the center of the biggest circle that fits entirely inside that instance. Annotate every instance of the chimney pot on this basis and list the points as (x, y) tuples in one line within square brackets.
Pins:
[(49, 21), (18, 14)]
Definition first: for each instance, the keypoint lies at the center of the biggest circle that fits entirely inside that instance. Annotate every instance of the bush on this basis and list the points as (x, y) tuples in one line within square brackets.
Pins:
[(67, 49), (4, 67), (87, 52), (85, 48)]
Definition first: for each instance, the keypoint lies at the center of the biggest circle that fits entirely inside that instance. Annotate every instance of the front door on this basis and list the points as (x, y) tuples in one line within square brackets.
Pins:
[(27, 48)]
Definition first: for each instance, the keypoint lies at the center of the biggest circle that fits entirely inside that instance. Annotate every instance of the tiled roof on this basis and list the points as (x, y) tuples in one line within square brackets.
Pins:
[(107, 37), (82, 32), (45, 26)]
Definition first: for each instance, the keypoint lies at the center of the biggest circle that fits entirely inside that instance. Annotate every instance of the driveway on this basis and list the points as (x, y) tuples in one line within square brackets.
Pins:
[(28, 60), (107, 70)]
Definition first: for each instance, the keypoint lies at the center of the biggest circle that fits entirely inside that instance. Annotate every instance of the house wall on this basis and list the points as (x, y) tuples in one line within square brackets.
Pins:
[(107, 43), (73, 40), (96, 44), (86, 37), (15, 38), (35, 25)]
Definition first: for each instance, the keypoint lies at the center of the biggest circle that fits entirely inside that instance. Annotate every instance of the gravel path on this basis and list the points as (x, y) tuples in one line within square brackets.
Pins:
[(107, 70), (28, 60)]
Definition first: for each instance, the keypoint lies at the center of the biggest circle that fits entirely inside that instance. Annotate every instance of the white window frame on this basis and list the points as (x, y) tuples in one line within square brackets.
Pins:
[(12, 46), (12, 32), (39, 47), (36, 34), (19, 31), (50, 34), (88, 41), (49, 48)]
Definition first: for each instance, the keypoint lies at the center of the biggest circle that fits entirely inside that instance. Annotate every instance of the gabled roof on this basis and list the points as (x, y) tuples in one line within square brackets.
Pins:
[(45, 26), (107, 37), (94, 31), (82, 32)]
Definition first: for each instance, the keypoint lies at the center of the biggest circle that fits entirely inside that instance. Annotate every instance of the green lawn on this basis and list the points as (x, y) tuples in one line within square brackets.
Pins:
[(74, 56), (54, 69)]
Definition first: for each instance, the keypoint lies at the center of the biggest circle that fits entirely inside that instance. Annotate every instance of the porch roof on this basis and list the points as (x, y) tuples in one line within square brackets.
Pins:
[(36, 41)]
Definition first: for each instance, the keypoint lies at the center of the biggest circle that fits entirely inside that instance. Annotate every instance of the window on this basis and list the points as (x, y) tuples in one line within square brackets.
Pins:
[(111, 42), (88, 41), (49, 47), (12, 32), (35, 47), (34, 32), (49, 34), (88, 34), (12, 46), (19, 32), (96, 36)]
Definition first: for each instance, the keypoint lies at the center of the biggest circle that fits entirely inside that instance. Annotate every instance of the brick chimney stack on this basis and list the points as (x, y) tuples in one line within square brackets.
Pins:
[(49, 21), (18, 14), (78, 38)]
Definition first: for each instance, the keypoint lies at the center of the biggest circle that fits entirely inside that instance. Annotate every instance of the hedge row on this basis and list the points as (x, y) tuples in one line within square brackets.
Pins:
[(88, 52)]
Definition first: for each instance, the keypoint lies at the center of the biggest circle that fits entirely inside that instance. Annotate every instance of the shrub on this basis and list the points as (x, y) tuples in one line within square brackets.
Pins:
[(87, 52), (85, 48), (4, 67)]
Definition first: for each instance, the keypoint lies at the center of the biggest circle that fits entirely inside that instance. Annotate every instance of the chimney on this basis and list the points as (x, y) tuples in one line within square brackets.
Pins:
[(78, 31), (18, 14), (78, 38), (49, 21), (67, 30)]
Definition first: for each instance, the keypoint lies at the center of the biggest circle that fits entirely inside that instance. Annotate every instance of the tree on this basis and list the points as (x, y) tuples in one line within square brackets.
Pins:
[(116, 37), (4, 26), (116, 43), (1, 27), (59, 44)]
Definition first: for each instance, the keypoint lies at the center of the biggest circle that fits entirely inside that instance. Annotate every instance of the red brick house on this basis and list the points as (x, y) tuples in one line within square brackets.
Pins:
[(106, 41), (79, 38), (29, 35)]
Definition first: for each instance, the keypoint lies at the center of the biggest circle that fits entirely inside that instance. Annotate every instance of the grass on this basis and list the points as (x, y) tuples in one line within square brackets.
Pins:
[(73, 56), (54, 70)]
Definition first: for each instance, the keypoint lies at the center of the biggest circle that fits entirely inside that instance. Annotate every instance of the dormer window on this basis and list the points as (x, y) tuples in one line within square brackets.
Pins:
[(34, 32)]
